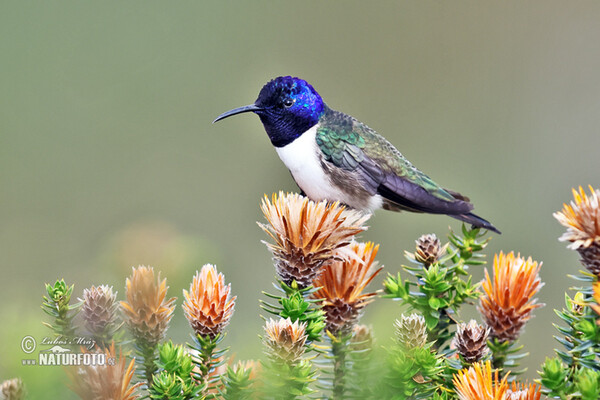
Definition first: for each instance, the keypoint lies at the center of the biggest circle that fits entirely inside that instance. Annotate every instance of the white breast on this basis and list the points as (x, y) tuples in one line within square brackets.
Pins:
[(301, 157)]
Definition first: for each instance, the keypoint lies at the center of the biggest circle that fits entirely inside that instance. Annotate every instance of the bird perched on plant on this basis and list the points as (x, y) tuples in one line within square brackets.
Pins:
[(332, 156)]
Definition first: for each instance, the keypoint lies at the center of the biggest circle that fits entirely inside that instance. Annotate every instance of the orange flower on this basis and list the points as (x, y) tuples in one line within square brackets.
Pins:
[(521, 391), (479, 383), (307, 234), (146, 311), (582, 220), (341, 286), (596, 307), (105, 381), (507, 301), (208, 306)]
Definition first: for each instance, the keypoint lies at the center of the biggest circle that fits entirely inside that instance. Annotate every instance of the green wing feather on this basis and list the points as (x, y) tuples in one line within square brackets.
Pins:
[(345, 142)]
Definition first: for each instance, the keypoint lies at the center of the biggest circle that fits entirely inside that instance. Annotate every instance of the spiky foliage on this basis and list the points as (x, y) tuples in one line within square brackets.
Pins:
[(470, 341), (479, 382), (282, 381), (438, 291), (208, 306), (208, 358), (566, 375), (286, 374), (429, 250), (508, 300), (239, 381), (361, 359), (342, 285), (362, 338), (555, 377), (92, 382), (147, 314), (581, 333), (468, 247), (13, 389), (411, 330), (569, 382), (56, 305), (99, 313), (307, 234), (295, 303), (410, 372), (174, 380), (574, 372), (582, 220)]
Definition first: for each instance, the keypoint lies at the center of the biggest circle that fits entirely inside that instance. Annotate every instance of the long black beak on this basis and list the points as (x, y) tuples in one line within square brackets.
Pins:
[(239, 110)]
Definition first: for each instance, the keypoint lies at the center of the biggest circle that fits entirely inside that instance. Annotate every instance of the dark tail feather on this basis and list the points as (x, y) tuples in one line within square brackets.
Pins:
[(476, 221)]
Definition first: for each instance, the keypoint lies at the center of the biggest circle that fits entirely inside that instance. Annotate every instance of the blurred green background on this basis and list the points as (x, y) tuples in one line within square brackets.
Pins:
[(108, 157)]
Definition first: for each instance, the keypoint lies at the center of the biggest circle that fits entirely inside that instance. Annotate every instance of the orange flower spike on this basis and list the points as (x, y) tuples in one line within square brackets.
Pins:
[(582, 220), (342, 283), (105, 381), (508, 301), (208, 306), (596, 296), (347, 279), (307, 234), (146, 312), (521, 391), (479, 383)]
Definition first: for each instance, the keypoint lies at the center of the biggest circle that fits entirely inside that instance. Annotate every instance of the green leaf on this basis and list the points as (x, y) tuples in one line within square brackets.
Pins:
[(435, 303)]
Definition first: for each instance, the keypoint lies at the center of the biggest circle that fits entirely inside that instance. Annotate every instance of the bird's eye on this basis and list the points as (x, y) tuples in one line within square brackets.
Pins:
[(287, 103)]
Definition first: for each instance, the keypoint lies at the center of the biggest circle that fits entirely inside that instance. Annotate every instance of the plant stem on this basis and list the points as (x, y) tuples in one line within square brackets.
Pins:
[(148, 353), (339, 350)]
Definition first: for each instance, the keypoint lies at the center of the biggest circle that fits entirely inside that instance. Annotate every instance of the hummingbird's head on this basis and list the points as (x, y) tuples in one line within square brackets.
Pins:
[(287, 107)]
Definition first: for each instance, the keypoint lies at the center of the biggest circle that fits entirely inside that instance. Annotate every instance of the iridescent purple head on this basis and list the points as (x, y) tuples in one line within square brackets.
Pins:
[(287, 107)]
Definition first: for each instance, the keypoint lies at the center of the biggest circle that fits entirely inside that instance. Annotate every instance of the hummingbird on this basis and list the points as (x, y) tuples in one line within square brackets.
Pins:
[(332, 156)]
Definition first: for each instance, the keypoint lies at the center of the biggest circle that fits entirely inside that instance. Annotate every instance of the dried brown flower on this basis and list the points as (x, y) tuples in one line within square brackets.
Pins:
[(284, 339), (99, 310), (470, 341), (93, 382), (428, 250), (307, 234), (208, 306), (582, 220), (147, 313), (508, 301), (341, 287)]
